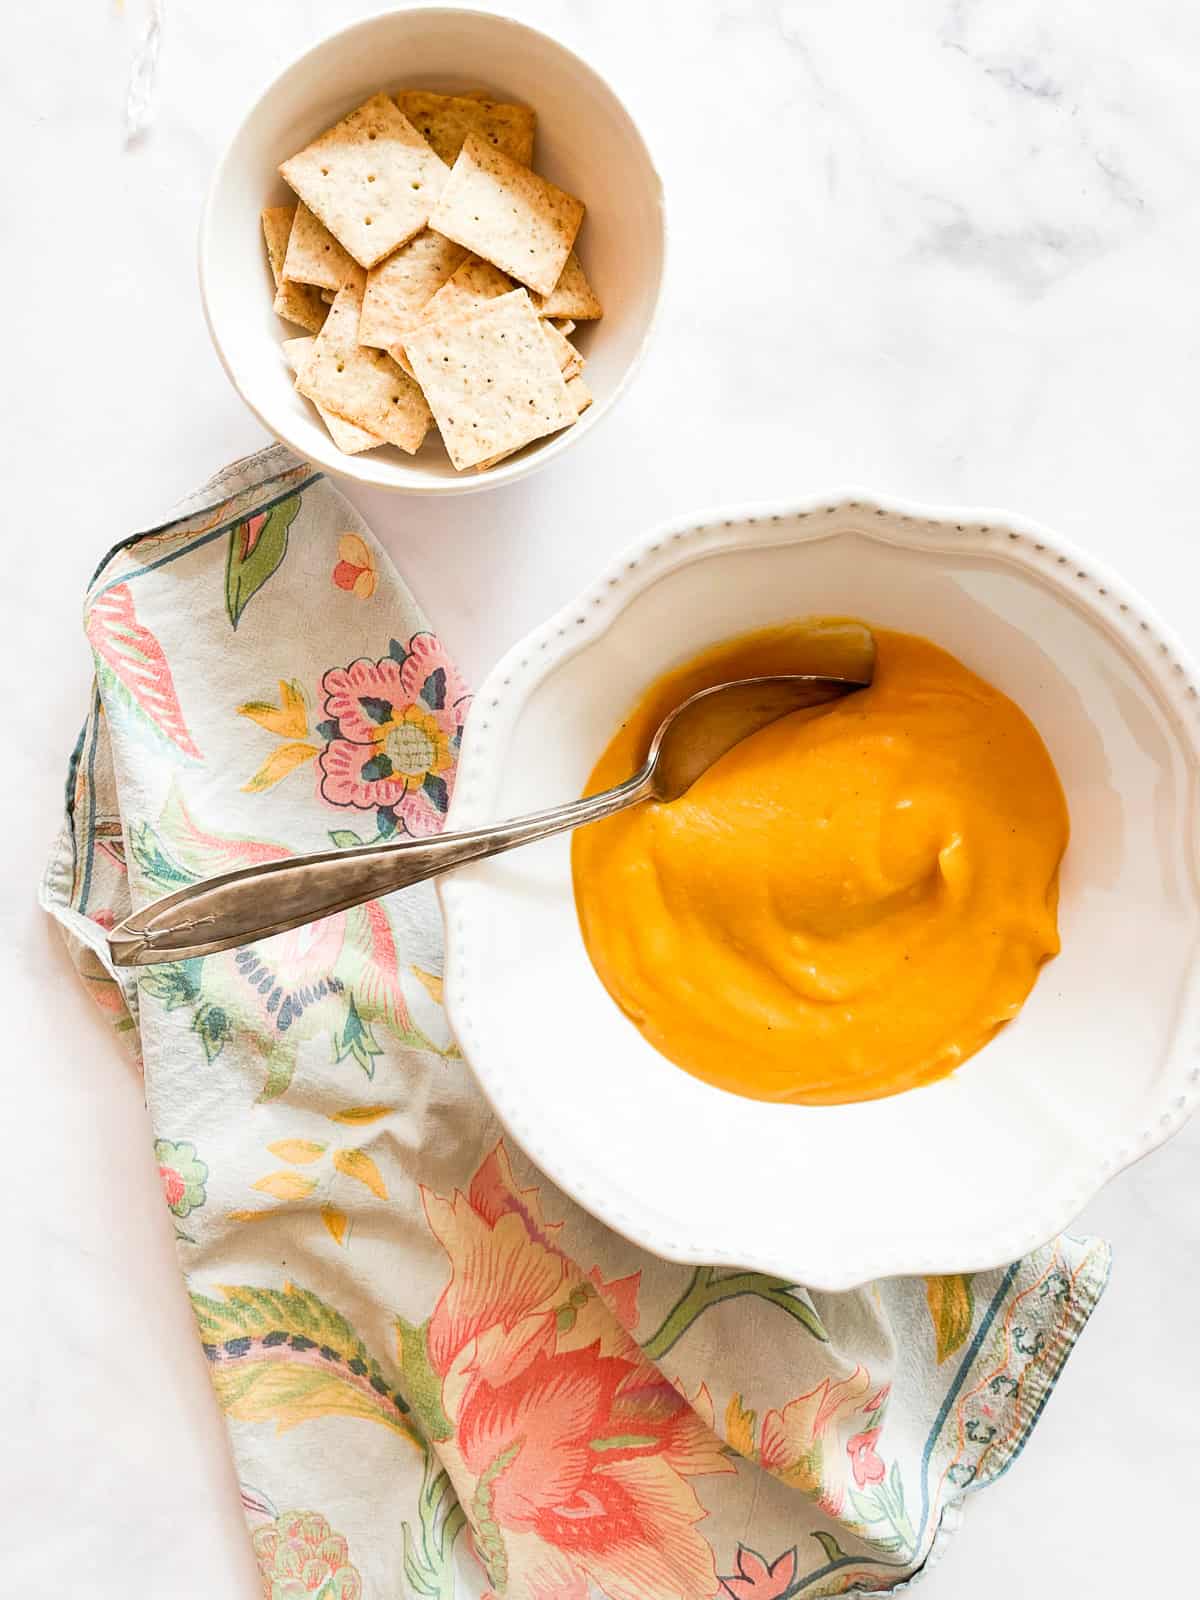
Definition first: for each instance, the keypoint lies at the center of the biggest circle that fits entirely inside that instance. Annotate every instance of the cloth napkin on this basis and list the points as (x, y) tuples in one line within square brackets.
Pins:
[(441, 1377)]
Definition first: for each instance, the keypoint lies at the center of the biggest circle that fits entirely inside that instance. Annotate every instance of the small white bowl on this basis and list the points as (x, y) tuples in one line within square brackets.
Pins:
[(1102, 1063), (586, 142)]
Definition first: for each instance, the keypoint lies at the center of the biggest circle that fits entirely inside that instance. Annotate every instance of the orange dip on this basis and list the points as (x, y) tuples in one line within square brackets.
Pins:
[(849, 903)]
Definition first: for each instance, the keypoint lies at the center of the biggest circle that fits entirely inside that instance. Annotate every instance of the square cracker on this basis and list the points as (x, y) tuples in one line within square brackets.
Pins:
[(581, 395), (348, 436), (361, 385), (473, 283), (371, 179), (581, 399), (313, 254), (401, 286), (570, 362), (571, 296), (490, 379), (445, 120), (295, 302), (508, 215)]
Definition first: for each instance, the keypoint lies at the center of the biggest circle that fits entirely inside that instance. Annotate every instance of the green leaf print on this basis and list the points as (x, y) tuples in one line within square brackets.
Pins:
[(175, 983), (257, 547), (833, 1550), (421, 1382), (151, 858), (428, 1553), (285, 1356), (214, 1027), (709, 1288), (358, 1041)]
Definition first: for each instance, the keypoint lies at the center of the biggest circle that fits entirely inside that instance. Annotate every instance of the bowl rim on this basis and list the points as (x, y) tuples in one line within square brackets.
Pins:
[(1023, 543), (526, 461)]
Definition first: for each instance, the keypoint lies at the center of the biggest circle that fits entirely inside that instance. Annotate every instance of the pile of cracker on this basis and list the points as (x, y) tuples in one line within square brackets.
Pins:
[(436, 275)]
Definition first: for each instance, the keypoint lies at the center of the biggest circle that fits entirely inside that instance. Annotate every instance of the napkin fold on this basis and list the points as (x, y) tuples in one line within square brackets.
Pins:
[(441, 1377)]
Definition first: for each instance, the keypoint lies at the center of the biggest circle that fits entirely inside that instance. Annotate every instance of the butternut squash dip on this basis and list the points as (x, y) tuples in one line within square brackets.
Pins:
[(848, 904)]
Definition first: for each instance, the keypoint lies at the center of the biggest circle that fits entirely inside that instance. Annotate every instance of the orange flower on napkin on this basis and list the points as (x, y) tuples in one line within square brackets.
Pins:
[(355, 570)]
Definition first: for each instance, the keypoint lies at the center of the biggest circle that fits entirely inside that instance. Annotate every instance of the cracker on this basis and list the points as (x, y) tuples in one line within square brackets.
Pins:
[(401, 286), (371, 179), (581, 395), (490, 379), (507, 214), (445, 120), (470, 286), (313, 254), (570, 362), (348, 436), (572, 295), (474, 283), (361, 385), (293, 301), (564, 324), (581, 399)]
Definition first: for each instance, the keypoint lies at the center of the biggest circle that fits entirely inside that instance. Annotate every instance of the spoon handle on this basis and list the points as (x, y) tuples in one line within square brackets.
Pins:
[(254, 902)]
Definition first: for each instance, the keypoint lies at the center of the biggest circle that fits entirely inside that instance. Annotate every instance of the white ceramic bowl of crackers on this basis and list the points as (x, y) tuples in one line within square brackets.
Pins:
[(432, 256)]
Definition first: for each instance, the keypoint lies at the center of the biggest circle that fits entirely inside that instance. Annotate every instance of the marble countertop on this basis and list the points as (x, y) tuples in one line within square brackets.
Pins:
[(947, 249)]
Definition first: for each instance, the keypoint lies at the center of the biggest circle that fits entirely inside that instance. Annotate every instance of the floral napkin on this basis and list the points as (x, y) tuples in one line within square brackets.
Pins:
[(441, 1377)]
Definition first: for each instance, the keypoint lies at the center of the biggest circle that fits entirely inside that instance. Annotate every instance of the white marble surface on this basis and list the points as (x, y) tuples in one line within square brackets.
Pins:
[(946, 248)]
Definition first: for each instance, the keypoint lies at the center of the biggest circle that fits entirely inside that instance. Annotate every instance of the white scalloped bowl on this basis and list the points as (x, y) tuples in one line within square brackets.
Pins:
[(1100, 1066), (586, 141)]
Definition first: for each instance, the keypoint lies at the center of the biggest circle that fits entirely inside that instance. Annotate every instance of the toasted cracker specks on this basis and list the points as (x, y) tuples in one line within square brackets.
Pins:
[(348, 436), (364, 386), (371, 179), (570, 362), (295, 302), (445, 120), (508, 215), (572, 295), (402, 285), (314, 255), (490, 379), (470, 286), (581, 395)]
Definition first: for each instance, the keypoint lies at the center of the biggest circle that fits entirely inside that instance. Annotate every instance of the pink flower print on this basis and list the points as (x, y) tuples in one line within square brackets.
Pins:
[(865, 1462), (392, 729), (755, 1580), (431, 678), (349, 777), (362, 696)]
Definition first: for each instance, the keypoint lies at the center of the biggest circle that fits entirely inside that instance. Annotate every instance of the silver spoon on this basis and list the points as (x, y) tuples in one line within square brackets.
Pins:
[(254, 902)]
